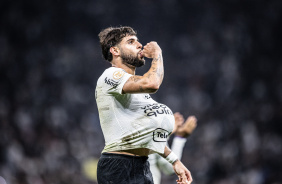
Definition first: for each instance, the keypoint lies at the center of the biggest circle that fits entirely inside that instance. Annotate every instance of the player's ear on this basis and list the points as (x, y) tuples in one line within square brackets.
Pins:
[(115, 51)]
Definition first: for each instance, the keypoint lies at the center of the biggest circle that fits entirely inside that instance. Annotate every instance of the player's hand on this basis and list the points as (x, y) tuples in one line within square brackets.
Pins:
[(151, 50), (179, 120), (188, 127), (182, 172)]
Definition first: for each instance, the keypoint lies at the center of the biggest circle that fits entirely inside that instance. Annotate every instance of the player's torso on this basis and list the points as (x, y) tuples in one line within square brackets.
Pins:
[(135, 112), (131, 120)]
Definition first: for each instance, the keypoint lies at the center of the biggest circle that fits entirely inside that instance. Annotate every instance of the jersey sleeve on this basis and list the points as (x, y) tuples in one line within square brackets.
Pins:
[(115, 79)]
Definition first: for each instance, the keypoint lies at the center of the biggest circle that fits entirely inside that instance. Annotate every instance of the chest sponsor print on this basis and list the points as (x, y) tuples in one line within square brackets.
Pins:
[(156, 110), (160, 135)]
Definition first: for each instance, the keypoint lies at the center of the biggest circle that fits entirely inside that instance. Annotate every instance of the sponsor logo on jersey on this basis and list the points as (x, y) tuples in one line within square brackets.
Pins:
[(156, 110), (118, 74), (160, 135), (111, 82)]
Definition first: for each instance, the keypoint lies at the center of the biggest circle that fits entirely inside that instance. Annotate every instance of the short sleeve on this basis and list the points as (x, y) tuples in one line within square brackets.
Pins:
[(115, 79)]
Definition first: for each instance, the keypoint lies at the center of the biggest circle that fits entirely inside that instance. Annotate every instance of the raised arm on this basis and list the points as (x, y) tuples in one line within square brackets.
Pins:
[(150, 81)]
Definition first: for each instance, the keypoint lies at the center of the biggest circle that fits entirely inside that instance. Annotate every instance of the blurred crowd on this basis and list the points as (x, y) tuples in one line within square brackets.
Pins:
[(222, 64)]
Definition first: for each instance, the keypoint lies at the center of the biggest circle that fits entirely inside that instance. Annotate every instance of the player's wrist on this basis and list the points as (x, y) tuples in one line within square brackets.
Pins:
[(157, 54), (172, 158), (176, 162)]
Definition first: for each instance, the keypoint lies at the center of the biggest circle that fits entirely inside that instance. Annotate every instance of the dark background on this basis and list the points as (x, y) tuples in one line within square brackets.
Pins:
[(222, 64)]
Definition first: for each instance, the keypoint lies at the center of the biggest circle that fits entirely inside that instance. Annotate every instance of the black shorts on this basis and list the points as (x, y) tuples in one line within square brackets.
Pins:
[(123, 169)]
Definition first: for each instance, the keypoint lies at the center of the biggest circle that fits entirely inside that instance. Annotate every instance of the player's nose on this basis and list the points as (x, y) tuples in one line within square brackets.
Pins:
[(139, 45)]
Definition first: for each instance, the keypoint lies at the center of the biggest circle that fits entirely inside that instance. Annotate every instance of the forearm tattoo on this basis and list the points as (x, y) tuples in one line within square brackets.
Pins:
[(141, 89), (157, 68), (155, 73), (135, 78)]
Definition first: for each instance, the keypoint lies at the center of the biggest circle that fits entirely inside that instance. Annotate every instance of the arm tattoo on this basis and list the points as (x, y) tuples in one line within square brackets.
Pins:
[(135, 78), (157, 70), (156, 59), (141, 89)]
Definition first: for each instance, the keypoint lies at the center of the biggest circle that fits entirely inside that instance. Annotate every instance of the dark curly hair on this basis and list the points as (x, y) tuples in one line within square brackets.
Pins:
[(112, 36)]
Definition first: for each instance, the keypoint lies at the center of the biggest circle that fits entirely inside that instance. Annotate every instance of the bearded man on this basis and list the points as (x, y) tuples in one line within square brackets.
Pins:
[(134, 125)]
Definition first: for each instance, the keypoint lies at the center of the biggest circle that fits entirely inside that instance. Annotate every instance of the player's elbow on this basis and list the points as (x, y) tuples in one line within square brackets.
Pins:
[(155, 87), (152, 87)]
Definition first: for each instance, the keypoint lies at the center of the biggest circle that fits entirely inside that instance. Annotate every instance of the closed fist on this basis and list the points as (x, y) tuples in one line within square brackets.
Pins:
[(151, 50)]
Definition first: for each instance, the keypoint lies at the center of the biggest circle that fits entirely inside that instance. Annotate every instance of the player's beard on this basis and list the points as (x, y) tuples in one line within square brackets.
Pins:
[(132, 60)]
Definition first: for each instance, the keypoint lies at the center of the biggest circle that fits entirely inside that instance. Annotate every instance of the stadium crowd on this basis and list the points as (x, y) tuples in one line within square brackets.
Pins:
[(222, 64)]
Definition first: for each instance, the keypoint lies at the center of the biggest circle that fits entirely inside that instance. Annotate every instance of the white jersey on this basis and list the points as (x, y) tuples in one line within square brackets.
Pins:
[(130, 121)]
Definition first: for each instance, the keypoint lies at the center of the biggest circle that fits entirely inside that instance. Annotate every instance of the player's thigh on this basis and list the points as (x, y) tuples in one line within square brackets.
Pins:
[(113, 170)]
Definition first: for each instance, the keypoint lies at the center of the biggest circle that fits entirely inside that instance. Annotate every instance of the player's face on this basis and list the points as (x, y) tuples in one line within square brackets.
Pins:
[(131, 51)]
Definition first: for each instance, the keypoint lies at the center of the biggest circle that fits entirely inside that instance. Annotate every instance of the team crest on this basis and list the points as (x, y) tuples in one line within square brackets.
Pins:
[(118, 74)]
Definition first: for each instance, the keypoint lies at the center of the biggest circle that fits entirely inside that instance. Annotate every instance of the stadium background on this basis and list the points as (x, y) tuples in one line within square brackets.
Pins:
[(222, 63)]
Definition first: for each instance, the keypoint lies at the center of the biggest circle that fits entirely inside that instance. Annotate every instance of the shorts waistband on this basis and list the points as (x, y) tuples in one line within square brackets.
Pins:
[(114, 155)]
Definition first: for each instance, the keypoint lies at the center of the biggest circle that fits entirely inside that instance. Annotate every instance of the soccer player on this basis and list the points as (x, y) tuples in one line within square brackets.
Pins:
[(133, 124), (182, 130)]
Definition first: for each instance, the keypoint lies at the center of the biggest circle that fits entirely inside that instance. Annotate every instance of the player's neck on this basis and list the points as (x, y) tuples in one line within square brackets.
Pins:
[(126, 67)]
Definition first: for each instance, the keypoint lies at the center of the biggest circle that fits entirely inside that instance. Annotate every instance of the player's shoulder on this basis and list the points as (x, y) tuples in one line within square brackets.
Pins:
[(114, 73), (114, 69)]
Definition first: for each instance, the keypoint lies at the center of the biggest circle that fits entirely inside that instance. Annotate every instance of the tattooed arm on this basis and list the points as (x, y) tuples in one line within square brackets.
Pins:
[(150, 81)]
